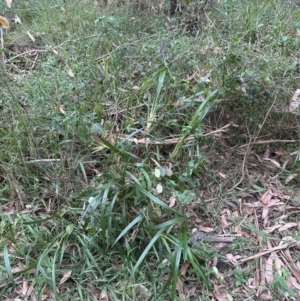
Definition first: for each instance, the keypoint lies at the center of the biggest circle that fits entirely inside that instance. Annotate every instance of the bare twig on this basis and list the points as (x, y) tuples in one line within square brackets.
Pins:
[(260, 254), (172, 140), (268, 142), (218, 238), (199, 235), (24, 53), (43, 161)]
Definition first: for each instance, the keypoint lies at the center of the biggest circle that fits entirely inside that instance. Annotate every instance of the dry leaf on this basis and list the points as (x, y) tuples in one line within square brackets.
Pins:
[(224, 220), (24, 288), (288, 255), (221, 294), (266, 297), (184, 268), (287, 226), (65, 277), (277, 191), (165, 261), (289, 283), (295, 101), (262, 277), (172, 201), (8, 2), (103, 295), (179, 287), (232, 259), (280, 151), (70, 72), (143, 288), (17, 269), (30, 36), (291, 177), (206, 229), (269, 270), (278, 264), (4, 22), (266, 197), (295, 283), (111, 140), (287, 239), (47, 297), (271, 229), (267, 152), (62, 109), (256, 279), (265, 212), (222, 175), (29, 290), (266, 220), (274, 162), (275, 203)]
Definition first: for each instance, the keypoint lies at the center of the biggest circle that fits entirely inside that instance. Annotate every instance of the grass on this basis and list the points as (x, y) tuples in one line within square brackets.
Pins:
[(122, 129)]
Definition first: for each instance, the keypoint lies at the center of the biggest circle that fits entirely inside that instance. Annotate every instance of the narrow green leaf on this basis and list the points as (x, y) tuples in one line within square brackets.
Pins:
[(146, 251), (90, 255), (161, 80), (46, 251), (198, 269), (200, 113), (135, 221), (53, 278), (7, 265), (104, 216), (151, 196), (153, 110), (117, 151), (130, 136), (133, 177), (184, 240), (44, 274), (83, 171), (157, 200), (38, 221), (147, 178), (175, 271), (10, 237), (10, 234), (169, 223)]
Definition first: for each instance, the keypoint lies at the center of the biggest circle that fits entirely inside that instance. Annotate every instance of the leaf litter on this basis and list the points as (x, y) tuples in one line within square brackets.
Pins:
[(264, 215)]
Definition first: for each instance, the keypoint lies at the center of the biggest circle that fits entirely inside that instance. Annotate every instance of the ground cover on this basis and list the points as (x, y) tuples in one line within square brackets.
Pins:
[(148, 156)]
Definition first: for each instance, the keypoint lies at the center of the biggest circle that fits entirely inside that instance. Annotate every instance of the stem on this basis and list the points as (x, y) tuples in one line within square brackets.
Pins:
[(2, 43)]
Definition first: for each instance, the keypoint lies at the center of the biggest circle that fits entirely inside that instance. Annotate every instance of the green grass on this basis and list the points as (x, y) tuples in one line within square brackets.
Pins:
[(104, 119)]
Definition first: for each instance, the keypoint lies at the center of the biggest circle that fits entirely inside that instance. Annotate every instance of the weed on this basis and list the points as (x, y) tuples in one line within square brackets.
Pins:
[(113, 122)]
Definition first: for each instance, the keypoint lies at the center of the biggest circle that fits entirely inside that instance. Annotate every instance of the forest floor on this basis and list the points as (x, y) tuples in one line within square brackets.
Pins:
[(146, 156)]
